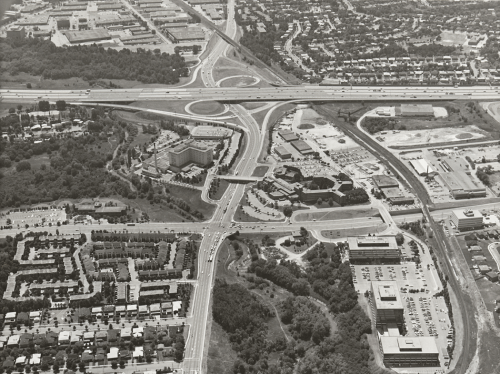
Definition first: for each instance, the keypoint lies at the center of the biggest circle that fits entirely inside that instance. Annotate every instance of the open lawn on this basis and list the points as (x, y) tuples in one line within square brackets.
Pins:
[(336, 214), (252, 105), (223, 185), (19, 82), (276, 114), (210, 108), (140, 139), (168, 106), (260, 171), (155, 212), (239, 82), (193, 198), (221, 355)]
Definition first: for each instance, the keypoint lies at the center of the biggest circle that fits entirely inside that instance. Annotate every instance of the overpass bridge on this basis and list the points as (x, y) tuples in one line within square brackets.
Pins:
[(239, 178), (235, 94)]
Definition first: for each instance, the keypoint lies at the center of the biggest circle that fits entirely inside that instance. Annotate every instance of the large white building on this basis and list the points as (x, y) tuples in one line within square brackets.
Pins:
[(373, 248), (409, 351), (467, 219), (387, 303), (190, 152), (422, 167)]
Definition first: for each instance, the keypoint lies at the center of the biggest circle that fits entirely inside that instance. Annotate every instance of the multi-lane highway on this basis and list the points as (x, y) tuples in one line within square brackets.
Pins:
[(238, 94)]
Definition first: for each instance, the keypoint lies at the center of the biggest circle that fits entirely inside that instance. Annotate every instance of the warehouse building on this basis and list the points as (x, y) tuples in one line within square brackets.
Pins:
[(302, 147), (190, 152), (384, 181), (288, 136), (185, 34), (409, 351), (422, 167), (283, 152), (417, 110), (387, 303), (366, 249), (461, 185), (86, 36), (467, 219)]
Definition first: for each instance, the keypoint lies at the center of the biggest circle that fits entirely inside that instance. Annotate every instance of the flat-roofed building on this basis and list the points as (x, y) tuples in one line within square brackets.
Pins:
[(282, 152), (86, 36), (461, 185), (185, 34), (387, 303), (121, 292), (409, 351), (64, 337), (190, 152), (16, 33), (302, 147), (417, 110), (467, 219), (373, 248), (288, 136)]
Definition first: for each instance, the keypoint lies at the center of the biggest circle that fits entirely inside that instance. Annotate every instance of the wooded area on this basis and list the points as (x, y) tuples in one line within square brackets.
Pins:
[(314, 347), (90, 62)]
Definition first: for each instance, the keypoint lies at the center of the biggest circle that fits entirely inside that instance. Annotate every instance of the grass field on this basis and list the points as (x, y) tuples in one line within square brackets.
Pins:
[(305, 126), (210, 108), (193, 198), (252, 105), (238, 82), (336, 214), (168, 106), (223, 185), (259, 118), (19, 81), (156, 212), (260, 171)]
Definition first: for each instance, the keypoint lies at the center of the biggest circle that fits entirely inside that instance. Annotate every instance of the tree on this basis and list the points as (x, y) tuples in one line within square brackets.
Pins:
[(196, 49), (55, 368), (28, 85), (61, 105), (287, 211), (44, 106), (320, 201), (400, 239), (330, 201)]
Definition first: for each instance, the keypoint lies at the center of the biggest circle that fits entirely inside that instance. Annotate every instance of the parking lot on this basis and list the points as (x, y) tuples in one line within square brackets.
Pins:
[(425, 314), (32, 217)]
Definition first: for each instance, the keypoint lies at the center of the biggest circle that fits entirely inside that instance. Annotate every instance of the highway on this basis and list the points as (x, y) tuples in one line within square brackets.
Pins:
[(441, 244), (238, 94), (215, 230)]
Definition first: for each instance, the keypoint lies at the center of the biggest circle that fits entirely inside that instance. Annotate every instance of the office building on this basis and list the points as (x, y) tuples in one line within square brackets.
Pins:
[(373, 248), (190, 152), (467, 219), (409, 351), (387, 303)]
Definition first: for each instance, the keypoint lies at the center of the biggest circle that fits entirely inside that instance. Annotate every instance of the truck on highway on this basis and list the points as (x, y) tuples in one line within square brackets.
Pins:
[(211, 258)]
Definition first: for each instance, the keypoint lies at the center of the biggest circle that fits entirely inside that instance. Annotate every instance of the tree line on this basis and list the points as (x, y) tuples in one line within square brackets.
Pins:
[(90, 62)]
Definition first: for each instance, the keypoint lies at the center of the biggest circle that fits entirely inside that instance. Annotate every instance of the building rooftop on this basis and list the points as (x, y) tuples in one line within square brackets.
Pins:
[(372, 242), (408, 345), (464, 214), (386, 295)]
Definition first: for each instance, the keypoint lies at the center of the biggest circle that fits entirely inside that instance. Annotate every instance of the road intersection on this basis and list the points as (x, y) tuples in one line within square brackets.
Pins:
[(219, 227)]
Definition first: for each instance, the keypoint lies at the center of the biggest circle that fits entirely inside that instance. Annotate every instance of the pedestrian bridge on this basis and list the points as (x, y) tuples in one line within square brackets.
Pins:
[(239, 178)]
